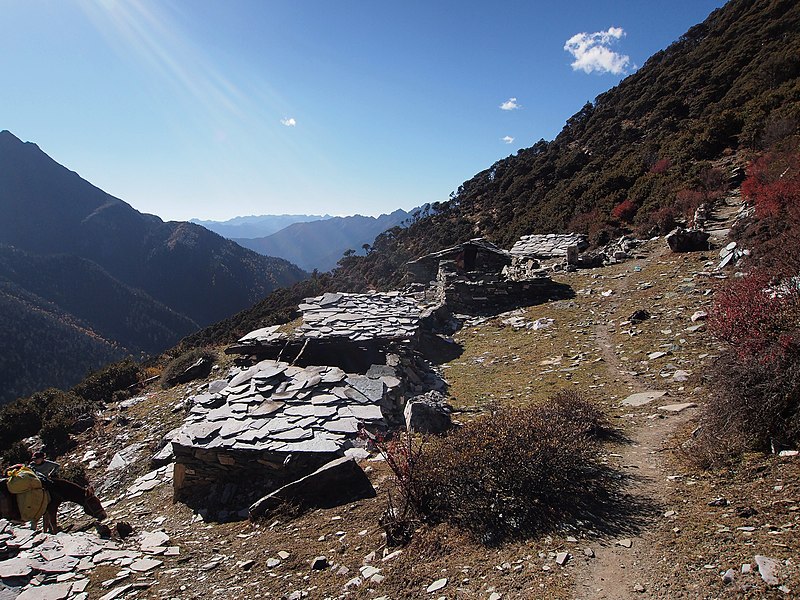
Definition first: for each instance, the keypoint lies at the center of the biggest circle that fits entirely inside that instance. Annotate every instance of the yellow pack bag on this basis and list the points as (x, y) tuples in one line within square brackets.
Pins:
[(32, 498)]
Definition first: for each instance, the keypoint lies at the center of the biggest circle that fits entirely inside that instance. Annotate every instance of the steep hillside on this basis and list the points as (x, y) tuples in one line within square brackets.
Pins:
[(725, 86), (48, 209), (320, 244), (50, 347), (86, 307), (255, 226)]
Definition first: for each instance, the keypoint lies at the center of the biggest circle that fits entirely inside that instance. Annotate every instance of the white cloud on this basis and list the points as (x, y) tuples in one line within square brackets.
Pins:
[(507, 139), (592, 52), (290, 122), (510, 104)]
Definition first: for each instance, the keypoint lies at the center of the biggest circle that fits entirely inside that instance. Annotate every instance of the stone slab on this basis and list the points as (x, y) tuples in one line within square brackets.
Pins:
[(642, 398)]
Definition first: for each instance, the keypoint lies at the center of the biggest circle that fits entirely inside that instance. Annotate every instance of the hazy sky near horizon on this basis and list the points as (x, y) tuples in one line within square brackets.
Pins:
[(214, 109)]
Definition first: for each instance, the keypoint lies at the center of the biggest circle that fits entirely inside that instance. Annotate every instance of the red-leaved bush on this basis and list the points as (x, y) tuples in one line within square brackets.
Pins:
[(758, 317), (755, 403), (773, 186), (662, 165), (624, 211)]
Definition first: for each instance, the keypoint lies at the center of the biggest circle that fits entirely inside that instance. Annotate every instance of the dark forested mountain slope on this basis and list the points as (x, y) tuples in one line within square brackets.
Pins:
[(43, 346), (48, 209), (111, 309)]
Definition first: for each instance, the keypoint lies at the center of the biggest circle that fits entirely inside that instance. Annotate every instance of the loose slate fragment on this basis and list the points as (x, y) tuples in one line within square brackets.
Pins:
[(55, 591), (267, 407), (143, 565), (293, 435), (15, 567), (642, 398), (342, 425)]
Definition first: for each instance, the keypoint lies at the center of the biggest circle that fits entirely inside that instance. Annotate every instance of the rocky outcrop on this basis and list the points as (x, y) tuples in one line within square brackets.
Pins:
[(687, 240), (428, 413)]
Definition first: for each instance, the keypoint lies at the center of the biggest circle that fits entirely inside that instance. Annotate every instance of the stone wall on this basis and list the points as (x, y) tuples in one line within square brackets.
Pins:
[(491, 297), (224, 483)]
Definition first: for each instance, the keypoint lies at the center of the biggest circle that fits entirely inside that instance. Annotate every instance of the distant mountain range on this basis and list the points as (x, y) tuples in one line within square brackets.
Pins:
[(114, 280), (320, 244), (255, 226)]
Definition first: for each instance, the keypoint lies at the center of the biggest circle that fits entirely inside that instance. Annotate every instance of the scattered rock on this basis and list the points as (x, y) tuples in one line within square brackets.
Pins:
[(642, 398), (729, 576), (639, 316), (676, 408), (428, 413), (699, 315), (436, 585), (768, 568), (319, 563), (625, 543), (562, 558), (687, 240)]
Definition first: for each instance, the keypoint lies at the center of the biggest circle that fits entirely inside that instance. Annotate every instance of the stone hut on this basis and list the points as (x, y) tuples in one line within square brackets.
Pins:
[(298, 399), (474, 278), (473, 258)]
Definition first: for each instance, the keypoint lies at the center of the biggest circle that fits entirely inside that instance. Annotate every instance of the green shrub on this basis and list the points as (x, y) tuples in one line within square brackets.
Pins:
[(16, 453), (18, 420), (62, 410), (75, 473), (180, 370), (55, 435), (101, 385)]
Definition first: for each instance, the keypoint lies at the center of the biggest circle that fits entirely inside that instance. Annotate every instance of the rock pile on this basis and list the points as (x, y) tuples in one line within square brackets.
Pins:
[(687, 240), (40, 566), (731, 255)]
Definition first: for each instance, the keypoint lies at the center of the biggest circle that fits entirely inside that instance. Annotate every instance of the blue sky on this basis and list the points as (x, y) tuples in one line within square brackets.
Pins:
[(213, 109)]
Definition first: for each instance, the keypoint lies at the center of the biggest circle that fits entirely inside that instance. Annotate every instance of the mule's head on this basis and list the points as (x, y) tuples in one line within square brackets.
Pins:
[(92, 506)]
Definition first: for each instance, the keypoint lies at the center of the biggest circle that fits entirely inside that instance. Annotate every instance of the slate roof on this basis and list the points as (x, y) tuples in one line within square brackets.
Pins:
[(273, 406), (355, 317), (480, 243), (548, 245), (360, 316)]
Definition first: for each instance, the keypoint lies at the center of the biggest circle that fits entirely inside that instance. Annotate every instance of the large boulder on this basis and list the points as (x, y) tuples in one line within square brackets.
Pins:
[(333, 484), (687, 240), (428, 413)]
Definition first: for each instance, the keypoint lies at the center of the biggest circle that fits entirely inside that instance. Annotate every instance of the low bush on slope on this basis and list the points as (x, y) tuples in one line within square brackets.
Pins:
[(511, 474), (755, 402)]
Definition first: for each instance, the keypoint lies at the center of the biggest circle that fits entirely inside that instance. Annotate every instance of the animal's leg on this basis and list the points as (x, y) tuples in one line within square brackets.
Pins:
[(49, 521)]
